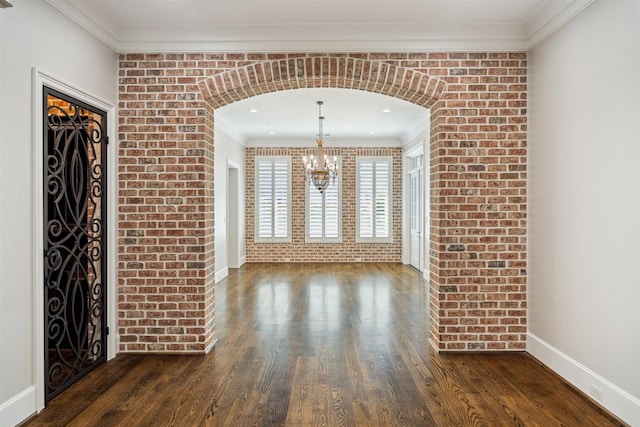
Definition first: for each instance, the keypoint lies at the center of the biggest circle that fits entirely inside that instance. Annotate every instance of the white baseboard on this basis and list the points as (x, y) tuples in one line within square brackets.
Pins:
[(614, 399), (221, 274), (18, 408), (210, 347), (243, 260)]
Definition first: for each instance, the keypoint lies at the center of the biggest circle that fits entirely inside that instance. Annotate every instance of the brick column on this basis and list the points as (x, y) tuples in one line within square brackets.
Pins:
[(165, 209)]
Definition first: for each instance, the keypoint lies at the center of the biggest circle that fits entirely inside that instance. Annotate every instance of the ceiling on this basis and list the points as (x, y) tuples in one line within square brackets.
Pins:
[(349, 114), (320, 26)]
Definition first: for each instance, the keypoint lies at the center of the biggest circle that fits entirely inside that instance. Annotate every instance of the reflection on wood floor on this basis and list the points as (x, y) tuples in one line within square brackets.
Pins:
[(323, 345)]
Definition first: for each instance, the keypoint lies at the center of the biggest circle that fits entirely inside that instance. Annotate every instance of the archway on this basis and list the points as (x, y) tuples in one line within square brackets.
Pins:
[(335, 72)]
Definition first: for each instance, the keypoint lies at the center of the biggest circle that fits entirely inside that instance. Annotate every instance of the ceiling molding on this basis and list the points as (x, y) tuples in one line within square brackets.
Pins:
[(319, 46), (548, 18), (107, 34), (422, 126), (330, 142), (223, 123), (435, 37)]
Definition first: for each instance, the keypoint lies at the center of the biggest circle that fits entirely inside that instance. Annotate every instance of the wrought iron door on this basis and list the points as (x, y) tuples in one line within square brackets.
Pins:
[(74, 239)]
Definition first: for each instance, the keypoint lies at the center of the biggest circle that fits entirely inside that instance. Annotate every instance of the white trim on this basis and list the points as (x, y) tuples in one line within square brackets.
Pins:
[(41, 78), (105, 35), (405, 257), (414, 150), (210, 347), (243, 260), (19, 407), (422, 127), (223, 123), (441, 38), (221, 274), (614, 399), (231, 219), (331, 143), (550, 17), (322, 46)]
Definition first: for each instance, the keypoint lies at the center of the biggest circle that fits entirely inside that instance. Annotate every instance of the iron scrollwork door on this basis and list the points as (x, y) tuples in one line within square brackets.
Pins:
[(74, 239)]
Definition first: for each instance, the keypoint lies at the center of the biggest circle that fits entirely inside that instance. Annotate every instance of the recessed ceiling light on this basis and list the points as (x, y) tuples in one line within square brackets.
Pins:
[(386, 110), (272, 133), (372, 133), (253, 110)]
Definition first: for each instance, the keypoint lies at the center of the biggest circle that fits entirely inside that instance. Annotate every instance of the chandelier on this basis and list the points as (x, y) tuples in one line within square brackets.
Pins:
[(317, 168)]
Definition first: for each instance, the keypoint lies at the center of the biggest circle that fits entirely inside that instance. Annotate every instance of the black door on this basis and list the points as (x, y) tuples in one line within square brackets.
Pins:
[(74, 239)]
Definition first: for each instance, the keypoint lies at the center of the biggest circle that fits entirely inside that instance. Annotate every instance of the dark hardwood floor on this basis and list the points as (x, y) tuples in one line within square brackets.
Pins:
[(323, 345)]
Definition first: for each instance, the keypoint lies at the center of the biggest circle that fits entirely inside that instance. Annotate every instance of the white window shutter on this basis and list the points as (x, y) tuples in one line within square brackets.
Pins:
[(373, 198), (273, 198), (323, 213)]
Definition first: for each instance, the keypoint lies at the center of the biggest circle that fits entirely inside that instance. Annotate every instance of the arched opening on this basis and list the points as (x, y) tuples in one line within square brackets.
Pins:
[(328, 72)]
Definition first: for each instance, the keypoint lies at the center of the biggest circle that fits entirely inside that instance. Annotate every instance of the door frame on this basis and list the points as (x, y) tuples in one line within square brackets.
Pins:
[(233, 216), (39, 79), (419, 173)]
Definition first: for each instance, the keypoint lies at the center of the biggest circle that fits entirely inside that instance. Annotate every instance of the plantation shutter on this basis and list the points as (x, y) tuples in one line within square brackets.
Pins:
[(273, 198), (374, 198), (323, 212)]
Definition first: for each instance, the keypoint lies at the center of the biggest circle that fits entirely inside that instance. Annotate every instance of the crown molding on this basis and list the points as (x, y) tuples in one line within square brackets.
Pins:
[(549, 17), (544, 21), (106, 33), (320, 46), (331, 143), (226, 125), (422, 125)]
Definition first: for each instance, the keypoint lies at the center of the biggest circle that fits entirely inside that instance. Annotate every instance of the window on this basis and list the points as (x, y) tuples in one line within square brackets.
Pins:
[(323, 213), (373, 199), (273, 199)]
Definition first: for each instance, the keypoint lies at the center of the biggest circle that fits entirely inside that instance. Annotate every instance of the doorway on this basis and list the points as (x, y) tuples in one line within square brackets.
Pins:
[(75, 239), (416, 207), (233, 215)]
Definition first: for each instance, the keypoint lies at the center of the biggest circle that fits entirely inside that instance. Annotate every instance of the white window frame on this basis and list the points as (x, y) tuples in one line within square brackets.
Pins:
[(375, 160), (309, 187), (257, 238)]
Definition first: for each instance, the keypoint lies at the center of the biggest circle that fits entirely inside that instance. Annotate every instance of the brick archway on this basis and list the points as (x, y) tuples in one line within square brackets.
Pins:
[(316, 72), (331, 72), (478, 194)]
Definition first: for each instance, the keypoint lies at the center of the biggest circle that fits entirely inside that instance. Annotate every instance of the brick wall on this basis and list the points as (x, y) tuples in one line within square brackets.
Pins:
[(478, 184), (348, 250)]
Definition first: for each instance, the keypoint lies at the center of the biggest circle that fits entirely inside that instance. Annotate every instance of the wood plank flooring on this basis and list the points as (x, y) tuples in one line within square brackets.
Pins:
[(322, 345)]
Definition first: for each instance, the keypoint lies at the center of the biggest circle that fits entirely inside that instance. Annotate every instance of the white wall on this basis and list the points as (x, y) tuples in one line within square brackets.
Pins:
[(227, 148), (584, 203), (32, 34)]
